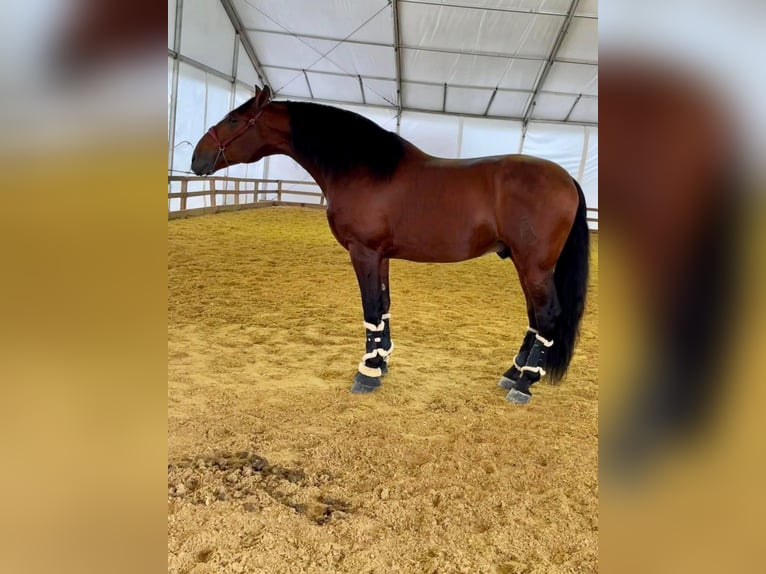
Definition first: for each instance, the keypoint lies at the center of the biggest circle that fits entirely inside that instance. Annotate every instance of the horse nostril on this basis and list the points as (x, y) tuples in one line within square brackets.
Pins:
[(194, 157)]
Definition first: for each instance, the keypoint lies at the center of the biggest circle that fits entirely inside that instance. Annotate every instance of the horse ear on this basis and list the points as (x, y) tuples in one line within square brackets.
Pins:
[(262, 97)]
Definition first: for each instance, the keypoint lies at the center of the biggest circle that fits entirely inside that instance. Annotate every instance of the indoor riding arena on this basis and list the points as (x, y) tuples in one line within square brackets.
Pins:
[(274, 466)]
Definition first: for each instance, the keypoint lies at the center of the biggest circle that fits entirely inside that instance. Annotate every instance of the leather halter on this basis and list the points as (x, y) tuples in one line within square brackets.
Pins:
[(222, 144)]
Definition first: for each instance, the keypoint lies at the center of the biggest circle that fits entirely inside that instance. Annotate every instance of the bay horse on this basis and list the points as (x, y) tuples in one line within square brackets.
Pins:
[(388, 199)]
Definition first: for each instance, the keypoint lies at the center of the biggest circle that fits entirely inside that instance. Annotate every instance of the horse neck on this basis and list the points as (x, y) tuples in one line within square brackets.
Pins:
[(310, 167), (280, 142)]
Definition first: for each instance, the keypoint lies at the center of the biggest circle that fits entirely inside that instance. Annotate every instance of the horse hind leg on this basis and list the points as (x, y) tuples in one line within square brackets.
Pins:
[(544, 301), (513, 374)]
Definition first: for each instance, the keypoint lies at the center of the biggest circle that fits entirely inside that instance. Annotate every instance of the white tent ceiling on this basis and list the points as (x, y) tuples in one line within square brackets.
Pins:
[(512, 59), (457, 78)]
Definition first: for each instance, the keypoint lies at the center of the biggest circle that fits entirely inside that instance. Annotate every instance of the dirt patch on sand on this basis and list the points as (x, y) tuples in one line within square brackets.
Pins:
[(275, 467)]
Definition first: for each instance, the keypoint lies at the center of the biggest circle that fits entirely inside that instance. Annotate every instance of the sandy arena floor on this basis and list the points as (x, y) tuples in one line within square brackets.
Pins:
[(275, 467)]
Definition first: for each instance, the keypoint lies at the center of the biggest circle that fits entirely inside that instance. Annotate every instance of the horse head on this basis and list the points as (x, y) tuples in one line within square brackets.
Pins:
[(240, 137)]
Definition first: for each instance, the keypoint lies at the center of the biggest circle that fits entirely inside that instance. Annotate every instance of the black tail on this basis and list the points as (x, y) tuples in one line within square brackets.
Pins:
[(571, 279)]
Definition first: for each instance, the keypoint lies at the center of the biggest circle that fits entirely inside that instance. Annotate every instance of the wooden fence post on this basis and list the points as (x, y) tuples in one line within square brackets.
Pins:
[(236, 192), (212, 193), (184, 191), (279, 191)]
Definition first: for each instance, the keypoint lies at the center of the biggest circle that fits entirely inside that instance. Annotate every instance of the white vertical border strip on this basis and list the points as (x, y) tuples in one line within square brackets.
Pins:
[(523, 137), (584, 159), (206, 197), (262, 186), (232, 94), (174, 89)]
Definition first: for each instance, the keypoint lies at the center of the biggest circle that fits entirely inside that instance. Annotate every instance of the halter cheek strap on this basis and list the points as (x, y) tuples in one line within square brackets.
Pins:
[(222, 144)]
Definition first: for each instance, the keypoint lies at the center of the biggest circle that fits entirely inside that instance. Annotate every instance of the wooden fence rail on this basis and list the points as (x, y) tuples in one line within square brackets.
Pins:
[(246, 194), (218, 195)]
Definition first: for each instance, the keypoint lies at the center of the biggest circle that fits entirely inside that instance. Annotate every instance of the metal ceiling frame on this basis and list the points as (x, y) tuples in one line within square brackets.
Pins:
[(239, 29), (398, 55), (448, 114), (431, 83), (241, 34), (493, 9), (549, 62), (205, 68), (574, 105), (479, 53)]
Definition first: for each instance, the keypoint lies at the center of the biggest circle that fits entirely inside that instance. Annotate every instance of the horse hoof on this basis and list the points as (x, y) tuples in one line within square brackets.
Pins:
[(517, 397), (364, 384), (506, 383)]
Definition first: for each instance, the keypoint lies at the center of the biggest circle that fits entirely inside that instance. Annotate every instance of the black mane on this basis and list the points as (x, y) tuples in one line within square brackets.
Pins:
[(243, 108), (341, 142)]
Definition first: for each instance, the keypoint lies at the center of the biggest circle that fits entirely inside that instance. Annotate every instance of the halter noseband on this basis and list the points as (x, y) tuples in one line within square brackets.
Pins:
[(222, 144)]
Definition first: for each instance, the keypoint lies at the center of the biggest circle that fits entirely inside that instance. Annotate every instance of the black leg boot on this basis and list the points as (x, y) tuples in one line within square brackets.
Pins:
[(370, 368), (512, 375), (531, 372)]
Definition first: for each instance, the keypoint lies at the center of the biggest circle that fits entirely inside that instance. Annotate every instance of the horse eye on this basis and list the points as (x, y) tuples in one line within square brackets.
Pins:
[(232, 120)]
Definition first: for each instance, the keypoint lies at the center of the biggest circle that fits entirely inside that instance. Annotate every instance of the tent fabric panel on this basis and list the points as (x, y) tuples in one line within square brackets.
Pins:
[(379, 92), (561, 144), (586, 111), (467, 100), (581, 41), (483, 137), (332, 18), (552, 107), (434, 134), (572, 78), (384, 118), (509, 104), (284, 167), (207, 35), (422, 96), (460, 29), (245, 70), (272, 50), (520, 74), (327, 87), (440, 67), (218, 99), (190, 117), (355, 59), (587, 8), (560, 6), (286, 83)]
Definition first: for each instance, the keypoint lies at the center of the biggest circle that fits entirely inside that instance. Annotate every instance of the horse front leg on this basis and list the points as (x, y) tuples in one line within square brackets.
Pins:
[(367, 265)]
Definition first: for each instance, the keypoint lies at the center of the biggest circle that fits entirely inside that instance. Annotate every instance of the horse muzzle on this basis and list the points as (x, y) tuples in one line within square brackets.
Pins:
[(202, 165)]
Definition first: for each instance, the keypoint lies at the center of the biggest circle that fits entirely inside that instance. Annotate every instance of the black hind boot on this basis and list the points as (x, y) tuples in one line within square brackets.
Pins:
[(512, 375), (531, 372)]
